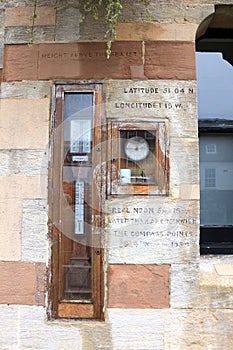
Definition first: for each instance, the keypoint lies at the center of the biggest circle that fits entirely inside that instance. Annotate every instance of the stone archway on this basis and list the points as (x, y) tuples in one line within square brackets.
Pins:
[(215, 33)]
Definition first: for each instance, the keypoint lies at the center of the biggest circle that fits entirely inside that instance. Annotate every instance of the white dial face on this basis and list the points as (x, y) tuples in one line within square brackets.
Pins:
[(136, 148)]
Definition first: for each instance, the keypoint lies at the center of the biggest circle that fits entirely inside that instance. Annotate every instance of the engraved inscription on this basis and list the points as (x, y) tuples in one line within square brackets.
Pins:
[(156, 91), (77, 55), (149, 105), (151, 96), (134, 226)]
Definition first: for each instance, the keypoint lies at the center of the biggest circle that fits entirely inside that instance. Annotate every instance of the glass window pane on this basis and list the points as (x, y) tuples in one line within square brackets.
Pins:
[(75, 253), (78, 104), (216, 176), (138, 157)]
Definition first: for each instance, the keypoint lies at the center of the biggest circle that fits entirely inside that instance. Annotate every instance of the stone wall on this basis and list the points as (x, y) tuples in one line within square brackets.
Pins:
[(159, 293)]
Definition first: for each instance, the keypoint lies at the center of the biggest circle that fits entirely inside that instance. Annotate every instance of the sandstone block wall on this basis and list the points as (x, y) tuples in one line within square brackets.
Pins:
[(159, 293)]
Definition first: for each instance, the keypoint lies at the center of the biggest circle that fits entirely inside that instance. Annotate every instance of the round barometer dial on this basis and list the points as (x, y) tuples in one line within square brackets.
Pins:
[(136, 148)]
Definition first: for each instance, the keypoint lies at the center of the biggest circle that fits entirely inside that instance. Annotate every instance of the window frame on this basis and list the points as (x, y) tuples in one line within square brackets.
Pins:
[(159, 127), (216, 239), (57, 308)]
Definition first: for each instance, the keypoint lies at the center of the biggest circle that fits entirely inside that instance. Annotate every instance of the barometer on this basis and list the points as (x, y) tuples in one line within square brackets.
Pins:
[(136, 148)]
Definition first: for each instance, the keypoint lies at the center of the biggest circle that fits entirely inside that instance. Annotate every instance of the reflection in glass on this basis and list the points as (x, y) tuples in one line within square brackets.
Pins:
[(216, 176), (76, 262), (138, 152)]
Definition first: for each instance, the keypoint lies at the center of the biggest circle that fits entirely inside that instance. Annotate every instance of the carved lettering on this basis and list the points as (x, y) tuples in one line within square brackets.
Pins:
[(156, 90), (147, 105), (166, 226), (151, 97), (85, 54), (141, 90)]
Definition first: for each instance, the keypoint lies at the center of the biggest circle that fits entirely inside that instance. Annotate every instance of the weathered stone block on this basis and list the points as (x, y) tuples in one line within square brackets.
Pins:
[(23, 162), (20, 16), (26, 117), (9, 329), (171, 329), (163, 60), (165, 329), (138, 286), (76, 61), (188, 191), (88, 60), (184, 167), (19, 35), (168, 11), (19, 187), (12, 191), (156, 230), (25, 3), (170, 60), (147, 31), (34, 230), (201, 285), (19, 283), (26, 90), (2, 15), (10, 230), (92, 30), (25, 327), (139, 329), (14, 69), (198, 329), (67, 24), (169, 100), (1, 49), (34, 330)]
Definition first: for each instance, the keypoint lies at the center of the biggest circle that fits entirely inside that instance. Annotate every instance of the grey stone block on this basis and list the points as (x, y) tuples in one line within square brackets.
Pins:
[(18, 35), (67, 24), (34, 230), (25, 89), (23, 162)]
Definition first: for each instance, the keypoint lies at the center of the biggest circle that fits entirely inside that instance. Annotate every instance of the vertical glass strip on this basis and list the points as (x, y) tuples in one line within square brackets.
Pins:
[(75, 252)]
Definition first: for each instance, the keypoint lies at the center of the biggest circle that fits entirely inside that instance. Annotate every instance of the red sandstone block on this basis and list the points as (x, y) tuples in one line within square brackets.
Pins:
[(138, 286), (170, 60), (22, 283), (20, 62), (71, 61), (21, 16), (163, 60)]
